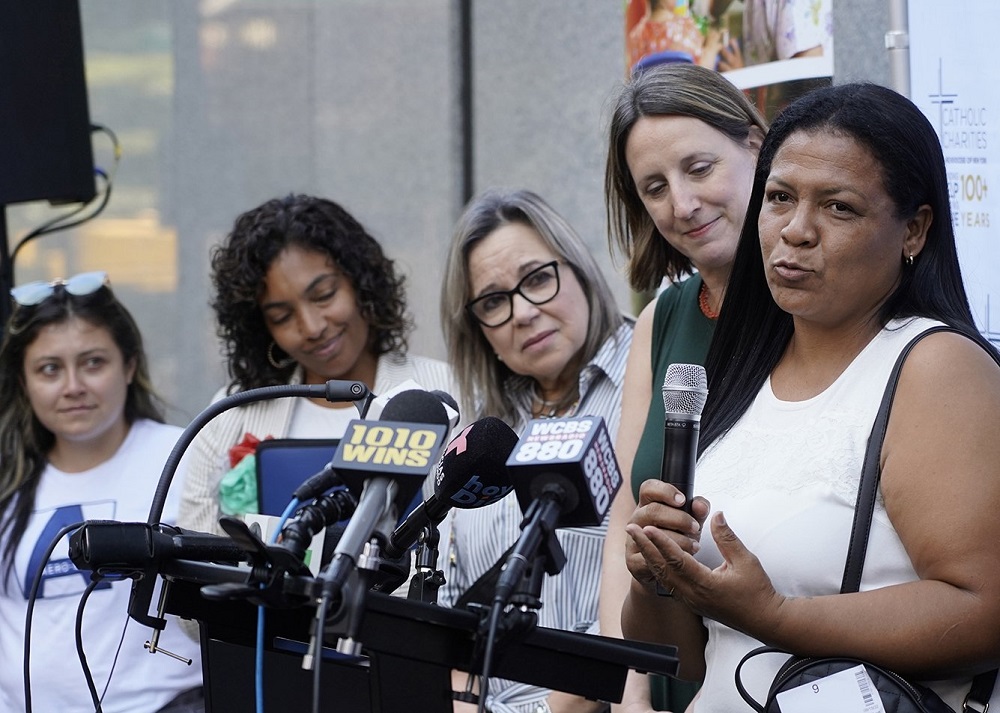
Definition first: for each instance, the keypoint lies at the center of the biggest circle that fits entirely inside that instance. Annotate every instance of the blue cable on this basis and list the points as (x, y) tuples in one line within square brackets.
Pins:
[(259, 658)]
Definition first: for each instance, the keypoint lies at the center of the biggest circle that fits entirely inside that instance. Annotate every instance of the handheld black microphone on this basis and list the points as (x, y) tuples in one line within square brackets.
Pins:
[(685, 390), (471, 473), (383, 463), (565, 474)]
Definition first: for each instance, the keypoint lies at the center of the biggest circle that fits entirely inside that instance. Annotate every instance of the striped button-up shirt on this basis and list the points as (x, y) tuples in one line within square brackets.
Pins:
[(473, 540)]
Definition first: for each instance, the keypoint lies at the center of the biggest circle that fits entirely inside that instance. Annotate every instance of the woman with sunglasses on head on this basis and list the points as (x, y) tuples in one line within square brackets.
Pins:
[(81, 438), (303, 294), (682, 148), (533, 331)]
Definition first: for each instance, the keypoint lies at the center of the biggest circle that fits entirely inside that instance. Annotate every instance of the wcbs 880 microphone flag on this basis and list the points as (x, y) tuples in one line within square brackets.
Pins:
[(575, 453)]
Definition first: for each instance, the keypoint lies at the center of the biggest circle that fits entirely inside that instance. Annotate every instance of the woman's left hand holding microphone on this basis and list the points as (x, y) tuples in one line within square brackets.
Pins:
[(660, 549)]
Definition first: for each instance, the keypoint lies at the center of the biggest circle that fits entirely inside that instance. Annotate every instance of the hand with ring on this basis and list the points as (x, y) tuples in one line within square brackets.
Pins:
[(660, 507)]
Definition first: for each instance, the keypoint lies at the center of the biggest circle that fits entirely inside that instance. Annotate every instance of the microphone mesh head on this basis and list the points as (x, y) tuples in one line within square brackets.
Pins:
[(685, 389)]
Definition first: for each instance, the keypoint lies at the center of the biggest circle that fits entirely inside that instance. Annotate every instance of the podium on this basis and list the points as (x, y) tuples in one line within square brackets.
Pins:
[(409, 649)]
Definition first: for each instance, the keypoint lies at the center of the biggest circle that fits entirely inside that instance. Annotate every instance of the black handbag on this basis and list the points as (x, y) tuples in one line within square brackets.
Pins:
[(898, 694)]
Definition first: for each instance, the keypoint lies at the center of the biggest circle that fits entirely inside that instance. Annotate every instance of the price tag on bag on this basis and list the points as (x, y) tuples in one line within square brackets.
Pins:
[(848, 691)]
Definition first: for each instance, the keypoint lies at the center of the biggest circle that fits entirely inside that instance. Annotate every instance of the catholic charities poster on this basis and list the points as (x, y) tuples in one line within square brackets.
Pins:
[(951, 56)]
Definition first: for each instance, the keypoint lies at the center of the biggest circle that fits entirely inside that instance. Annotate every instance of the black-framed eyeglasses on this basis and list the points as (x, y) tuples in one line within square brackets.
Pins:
[(538, 287), (34, 293)]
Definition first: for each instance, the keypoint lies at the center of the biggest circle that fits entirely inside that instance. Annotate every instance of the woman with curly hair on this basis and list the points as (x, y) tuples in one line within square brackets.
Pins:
[(303, 294)]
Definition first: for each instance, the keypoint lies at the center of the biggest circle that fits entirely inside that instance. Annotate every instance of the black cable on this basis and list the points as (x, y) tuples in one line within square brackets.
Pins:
[(114, 661), (318, 656), (58, 222), (491, 634), (78, 629), (29, 612)]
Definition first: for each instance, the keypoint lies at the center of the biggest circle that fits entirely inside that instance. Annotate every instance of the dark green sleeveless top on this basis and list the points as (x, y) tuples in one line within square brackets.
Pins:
[(681, 335)]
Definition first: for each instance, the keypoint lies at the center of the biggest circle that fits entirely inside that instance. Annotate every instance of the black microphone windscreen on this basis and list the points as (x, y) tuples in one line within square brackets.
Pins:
[(473, 470), (403, 445), (415, 406)]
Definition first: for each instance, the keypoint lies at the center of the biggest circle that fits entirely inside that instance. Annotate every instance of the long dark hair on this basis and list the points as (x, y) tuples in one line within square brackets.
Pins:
[(24, 442), (753, 331), (240, 264)]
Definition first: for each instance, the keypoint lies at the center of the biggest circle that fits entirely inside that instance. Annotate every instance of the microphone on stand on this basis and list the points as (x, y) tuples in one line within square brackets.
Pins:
[(472, 473), (309, 520), (333, 390), (126, 548), (328, 478), (565, 474), (685, 390), (383, 464)]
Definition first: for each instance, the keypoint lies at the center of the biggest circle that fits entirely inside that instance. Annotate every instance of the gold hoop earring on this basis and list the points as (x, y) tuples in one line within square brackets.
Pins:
[(283, 364)]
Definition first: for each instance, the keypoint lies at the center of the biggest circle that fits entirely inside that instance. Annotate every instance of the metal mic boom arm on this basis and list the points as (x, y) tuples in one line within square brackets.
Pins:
[(333, 390)]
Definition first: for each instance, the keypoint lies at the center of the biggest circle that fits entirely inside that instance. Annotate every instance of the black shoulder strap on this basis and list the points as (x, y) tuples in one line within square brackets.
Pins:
[(982, 685), (871, 472)]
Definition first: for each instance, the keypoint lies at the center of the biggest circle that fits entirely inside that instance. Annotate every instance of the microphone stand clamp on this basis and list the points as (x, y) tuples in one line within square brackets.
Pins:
[(346, 620), (268, 566), (428, 578)]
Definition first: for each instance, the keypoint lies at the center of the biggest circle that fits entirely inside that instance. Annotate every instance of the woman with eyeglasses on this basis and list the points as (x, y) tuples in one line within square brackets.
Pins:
[(303, 294), (533, 331), (81, 438)]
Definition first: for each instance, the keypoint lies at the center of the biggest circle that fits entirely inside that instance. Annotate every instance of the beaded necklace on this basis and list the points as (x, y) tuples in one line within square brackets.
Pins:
[(703, 303)]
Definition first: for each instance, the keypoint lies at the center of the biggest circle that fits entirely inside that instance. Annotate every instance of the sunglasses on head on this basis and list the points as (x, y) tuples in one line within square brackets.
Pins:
[(34, 293)]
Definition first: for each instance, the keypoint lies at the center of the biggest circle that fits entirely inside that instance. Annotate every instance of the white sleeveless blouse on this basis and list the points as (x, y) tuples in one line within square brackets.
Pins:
[(787, 476)]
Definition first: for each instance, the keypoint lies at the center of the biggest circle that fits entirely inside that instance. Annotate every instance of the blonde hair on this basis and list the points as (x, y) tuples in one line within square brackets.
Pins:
[(488, 386)]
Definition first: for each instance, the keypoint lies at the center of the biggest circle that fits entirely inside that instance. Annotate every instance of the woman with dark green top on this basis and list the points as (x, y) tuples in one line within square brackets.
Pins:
[(681, 155)]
